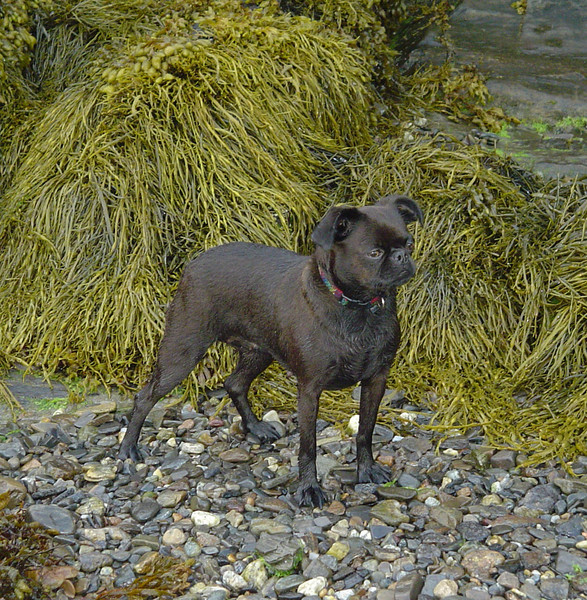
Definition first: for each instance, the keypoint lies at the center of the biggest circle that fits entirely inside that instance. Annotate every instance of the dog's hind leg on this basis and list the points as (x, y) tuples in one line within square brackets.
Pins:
[(251, 363), (178, 355)]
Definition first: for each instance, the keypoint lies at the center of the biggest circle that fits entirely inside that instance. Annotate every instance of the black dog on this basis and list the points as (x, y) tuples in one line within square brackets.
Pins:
[(329, 318)]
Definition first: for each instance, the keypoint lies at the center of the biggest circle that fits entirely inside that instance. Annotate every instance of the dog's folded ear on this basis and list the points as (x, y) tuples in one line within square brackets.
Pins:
[(336, 225), (407, 207)]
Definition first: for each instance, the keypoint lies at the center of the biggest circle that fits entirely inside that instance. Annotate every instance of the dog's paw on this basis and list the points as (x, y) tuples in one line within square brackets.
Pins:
[(373, 473), (129, 451), (311, 495), (264, 431)]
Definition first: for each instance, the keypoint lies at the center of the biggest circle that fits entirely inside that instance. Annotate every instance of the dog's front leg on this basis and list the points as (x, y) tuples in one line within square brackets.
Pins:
[(371, 393), (309, 492)]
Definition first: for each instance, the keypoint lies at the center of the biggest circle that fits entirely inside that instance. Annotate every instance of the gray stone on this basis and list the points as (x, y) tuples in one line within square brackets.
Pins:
[(53, 517), (409, 587), (171, 498), (447, 517), (11, 449), (289, 583), (408, 481), (92, 561), (393, 492), (504, 459), (555, 588), (473, 531), (541, 497), (145, 510), (567, 562)]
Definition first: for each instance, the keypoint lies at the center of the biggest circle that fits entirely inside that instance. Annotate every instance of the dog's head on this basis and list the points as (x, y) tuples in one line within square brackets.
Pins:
[(368, 250)]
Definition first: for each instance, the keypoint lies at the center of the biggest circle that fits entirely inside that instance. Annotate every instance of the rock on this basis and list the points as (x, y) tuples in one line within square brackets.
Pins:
[(289, 583), (339, 550), (541, 498), (473, 531), (504, 459), (255, 574), (192, 448), (174, 537), (15, 489), (207, 519), (171, 498), (508, 581), (482, 563), (409, 587), (271, 526), (389, 511), (98, 472), (534, 559), (445, 588), (569, 563), (53, 517), (392, 492), (447, 517), (59, 467), (312, 587), (145, 510), (234, 581), (235, 455), (92, 561), (91, 506), (555, 588)]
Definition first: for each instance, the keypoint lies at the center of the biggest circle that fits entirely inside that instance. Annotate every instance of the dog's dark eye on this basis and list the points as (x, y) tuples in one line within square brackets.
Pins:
[(376, 253), (410, 246)]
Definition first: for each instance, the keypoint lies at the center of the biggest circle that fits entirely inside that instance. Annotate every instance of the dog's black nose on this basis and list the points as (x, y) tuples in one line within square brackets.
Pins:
[(400, 256)]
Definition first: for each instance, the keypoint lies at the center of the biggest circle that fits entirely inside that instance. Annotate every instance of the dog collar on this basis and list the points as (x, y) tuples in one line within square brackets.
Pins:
[(374, 304)]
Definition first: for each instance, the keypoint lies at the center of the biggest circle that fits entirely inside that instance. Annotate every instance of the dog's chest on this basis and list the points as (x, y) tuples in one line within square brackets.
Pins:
[(358, 357)]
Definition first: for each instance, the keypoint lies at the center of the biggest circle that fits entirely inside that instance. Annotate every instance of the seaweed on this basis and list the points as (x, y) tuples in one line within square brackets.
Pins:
[(164, 577), (25, 548), (135, 138)]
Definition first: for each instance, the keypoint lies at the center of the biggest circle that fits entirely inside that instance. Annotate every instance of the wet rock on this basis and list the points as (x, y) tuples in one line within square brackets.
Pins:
[(482, 563), (409, 587), (174, 537), (15, 490), (504, 459), (53, 517), (555, 588), (235, 455), (389, 511), (145, 510), (92, 561), (445, 588), (447, 517), (541, 498), (288, 583), (97, 472), (255, 574), (312, 587), (570, 563), (534, 559)]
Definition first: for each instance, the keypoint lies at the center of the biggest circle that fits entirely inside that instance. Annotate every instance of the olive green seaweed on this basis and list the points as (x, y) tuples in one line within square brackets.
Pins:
[(136, 135)]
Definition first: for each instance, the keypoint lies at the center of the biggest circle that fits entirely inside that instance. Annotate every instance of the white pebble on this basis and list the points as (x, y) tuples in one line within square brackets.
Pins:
[(312, 587)]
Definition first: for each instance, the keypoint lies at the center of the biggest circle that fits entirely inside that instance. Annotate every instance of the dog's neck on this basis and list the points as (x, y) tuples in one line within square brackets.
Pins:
[(373, 305)]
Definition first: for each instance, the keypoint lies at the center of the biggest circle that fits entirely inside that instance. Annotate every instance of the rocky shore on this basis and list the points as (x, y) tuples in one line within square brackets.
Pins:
[(460, 520)]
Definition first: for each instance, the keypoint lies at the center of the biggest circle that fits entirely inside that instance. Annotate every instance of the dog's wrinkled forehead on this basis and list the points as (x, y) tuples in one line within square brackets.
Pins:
[(388, 216)]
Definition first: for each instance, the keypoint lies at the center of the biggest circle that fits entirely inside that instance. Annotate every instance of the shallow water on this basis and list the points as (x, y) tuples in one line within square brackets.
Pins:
[(536, 65)]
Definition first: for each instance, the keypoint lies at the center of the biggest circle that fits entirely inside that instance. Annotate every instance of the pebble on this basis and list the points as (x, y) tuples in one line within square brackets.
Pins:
[(443, 530), (312, 587), (201, 517)]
